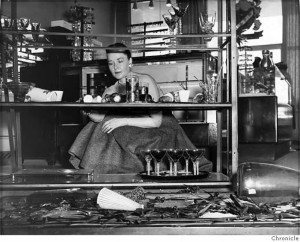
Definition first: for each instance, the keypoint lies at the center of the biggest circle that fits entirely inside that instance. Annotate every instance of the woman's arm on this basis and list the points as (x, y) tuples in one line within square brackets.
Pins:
[(154, 120), (97, 116)]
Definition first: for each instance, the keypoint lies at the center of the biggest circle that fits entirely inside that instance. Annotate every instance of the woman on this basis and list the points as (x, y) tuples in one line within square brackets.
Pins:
[(114, 141)]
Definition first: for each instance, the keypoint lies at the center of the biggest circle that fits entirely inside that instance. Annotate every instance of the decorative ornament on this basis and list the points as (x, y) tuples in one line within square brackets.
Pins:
[(247, 13)]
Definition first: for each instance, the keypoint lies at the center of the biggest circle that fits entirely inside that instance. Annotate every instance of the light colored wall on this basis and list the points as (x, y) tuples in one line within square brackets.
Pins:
[(170, 76)]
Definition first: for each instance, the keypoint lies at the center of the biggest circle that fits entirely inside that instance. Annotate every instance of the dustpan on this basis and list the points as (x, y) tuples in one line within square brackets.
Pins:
[(108, 199)]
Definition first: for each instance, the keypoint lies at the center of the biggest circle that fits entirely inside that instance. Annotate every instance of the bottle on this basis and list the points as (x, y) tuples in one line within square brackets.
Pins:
[(274, 72), (268, 69), (265, 182)]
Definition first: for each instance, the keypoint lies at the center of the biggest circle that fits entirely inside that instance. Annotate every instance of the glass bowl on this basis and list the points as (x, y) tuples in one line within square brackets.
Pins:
[(19, 89)]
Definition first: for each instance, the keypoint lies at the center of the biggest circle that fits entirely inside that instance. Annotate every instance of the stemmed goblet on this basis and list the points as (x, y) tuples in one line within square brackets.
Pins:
[(175, 155), (148, 159), (195, 154), (35, 28), (186, 156), (171, 21), (180, 9), (170, 159), (207, 22), (158, 156), (23, 24), (6, 23)]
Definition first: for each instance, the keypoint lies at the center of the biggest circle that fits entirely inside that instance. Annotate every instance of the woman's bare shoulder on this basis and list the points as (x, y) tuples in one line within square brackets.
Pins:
[(110, 90), (145, 77)]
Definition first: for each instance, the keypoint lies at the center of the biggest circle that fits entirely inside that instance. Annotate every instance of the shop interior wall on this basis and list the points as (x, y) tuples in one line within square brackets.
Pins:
[(110, 17), (44, 12)]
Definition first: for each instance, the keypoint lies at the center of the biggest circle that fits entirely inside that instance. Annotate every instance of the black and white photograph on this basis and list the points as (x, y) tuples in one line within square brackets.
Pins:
[(150, 119)]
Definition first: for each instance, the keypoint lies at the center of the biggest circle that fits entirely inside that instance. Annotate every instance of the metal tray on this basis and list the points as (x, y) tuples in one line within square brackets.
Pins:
[(180, 176)]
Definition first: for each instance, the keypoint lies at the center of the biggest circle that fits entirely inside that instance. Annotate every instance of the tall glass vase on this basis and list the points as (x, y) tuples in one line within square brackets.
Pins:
[(207, 22)]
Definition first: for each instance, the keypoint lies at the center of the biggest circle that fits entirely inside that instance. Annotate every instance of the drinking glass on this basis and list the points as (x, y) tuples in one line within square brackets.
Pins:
[(170, 159), (207, 22), (143, 91), (6, 23), (186, 156), (132, 88), (35, 28), (211, 88), (175, 155), (22, 24), (195, 154), (180, 8), (212, 93), (148, 158), (171, 21), (158, 155)]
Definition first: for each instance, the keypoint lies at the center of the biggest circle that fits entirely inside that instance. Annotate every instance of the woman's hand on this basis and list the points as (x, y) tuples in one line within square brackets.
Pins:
[(114, 123)]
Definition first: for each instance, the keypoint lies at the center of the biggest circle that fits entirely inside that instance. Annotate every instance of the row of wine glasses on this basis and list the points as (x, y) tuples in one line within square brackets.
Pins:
[(173, 20), (23, 24), (173, 156)]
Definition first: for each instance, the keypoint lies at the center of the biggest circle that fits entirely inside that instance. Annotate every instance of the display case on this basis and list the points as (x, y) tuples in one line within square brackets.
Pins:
[(224, 103), (221, 180)]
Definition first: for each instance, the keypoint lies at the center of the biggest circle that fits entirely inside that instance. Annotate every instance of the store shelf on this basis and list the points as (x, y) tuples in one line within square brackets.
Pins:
[(165, 106), (37, 179), (118, 35)]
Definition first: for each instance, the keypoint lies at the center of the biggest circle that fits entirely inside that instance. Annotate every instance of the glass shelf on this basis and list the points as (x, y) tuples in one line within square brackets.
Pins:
[(117, 35), (202, 47), (110, 106), (64, 178)]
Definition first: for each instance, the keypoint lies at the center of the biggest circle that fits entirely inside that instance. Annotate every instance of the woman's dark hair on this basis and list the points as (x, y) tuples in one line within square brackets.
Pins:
[(118, 48)]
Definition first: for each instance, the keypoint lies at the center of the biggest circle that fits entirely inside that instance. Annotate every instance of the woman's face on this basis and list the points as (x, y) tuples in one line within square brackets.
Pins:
[(118, 64)]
